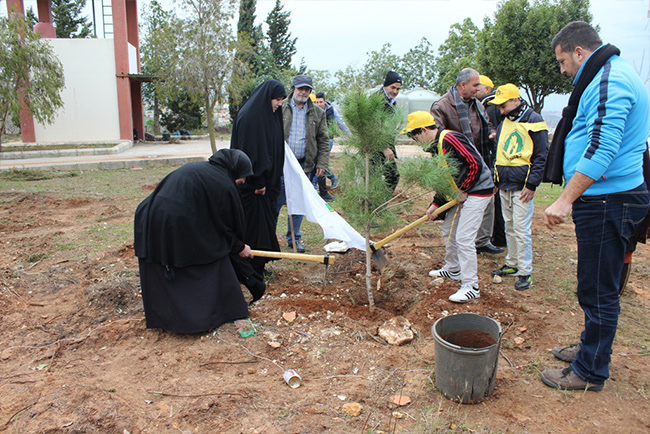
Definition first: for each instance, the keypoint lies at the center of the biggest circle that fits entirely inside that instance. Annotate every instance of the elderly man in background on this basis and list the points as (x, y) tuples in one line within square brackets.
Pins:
[(386, 158), (305, 131), (459, 110)]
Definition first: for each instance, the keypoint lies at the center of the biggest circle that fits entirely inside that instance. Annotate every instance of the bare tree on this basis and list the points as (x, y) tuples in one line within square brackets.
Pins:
[(207, 51)]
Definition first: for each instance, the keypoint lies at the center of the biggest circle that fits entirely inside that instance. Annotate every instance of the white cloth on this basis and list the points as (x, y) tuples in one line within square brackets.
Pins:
[(303, 199)]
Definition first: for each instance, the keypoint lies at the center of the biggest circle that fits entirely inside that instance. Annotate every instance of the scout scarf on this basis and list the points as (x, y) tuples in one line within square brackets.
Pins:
[(553, 169)]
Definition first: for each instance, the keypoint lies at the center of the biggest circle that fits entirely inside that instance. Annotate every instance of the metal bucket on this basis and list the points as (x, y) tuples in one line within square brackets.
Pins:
[(467, 352)]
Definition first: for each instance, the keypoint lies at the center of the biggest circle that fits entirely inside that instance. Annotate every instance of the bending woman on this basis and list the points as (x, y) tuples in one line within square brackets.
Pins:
[(188, 240)]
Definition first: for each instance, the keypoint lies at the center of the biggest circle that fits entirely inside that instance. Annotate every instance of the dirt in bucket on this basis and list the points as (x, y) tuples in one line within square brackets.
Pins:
[(471, 338)]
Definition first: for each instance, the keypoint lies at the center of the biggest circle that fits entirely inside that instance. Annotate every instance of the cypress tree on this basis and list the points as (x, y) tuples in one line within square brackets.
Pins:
[(68, 21), (282, 46)]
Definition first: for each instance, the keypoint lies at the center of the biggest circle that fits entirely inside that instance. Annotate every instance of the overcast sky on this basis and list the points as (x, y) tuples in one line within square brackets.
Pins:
[(335, 33)]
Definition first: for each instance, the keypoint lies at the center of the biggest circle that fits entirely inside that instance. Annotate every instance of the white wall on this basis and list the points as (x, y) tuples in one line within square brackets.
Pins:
[(90, 112), (133, 59)]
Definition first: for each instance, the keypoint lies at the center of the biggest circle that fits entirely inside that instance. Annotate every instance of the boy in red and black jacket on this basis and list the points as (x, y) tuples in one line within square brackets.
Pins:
[(474, 180)]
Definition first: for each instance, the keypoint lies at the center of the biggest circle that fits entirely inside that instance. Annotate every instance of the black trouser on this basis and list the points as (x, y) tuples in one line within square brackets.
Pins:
[(389, 169)]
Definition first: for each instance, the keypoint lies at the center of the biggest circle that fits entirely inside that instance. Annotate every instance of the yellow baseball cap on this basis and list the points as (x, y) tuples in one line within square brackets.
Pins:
[(485, 80), (418, 119), (505, 93)]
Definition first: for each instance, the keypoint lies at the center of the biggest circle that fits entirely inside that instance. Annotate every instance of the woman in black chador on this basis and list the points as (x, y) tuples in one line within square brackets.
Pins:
[(189, 240), (258, 131)]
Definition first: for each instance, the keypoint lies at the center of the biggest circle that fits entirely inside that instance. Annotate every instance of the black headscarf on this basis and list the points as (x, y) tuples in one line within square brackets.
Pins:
[(236, 162), (195, 215), (259, 132)]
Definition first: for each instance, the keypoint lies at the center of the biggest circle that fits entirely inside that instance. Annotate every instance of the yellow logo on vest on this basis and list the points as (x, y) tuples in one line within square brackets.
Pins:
[(515, 147)]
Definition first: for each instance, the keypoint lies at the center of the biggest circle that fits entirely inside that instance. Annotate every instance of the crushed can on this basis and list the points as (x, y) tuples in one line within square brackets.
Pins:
[(292, 378)]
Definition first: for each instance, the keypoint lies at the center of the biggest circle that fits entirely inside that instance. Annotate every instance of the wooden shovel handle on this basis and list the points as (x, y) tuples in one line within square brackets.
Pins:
[(323, 259), (408, 227)]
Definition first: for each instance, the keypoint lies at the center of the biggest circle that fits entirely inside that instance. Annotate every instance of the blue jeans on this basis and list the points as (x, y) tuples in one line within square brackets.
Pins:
[(604, 225), (297, 219)]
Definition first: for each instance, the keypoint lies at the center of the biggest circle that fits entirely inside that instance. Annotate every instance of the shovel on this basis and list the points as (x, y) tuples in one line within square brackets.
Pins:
[(378, 256), (323, 259)]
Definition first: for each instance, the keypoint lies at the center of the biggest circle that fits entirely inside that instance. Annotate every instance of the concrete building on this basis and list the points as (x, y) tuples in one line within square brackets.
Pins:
[(103, 88)]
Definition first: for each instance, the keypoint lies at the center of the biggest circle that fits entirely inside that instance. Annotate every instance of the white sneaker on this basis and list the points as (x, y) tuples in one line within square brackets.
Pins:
[(465, 293), (443, 272)]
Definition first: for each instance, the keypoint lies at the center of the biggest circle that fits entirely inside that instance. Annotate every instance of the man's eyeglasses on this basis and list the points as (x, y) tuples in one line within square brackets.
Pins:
[(414, 132)]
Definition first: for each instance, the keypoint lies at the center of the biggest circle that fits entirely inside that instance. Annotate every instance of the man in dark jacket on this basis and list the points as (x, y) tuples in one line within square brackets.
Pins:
[(459, 110), (305, 131), (474, 180), (485, 94), (522, 144), (390, 89)]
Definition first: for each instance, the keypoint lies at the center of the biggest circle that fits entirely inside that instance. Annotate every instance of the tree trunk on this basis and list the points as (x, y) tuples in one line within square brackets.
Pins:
[(371, 298), (3, 123), (156, 116), (209, 109)]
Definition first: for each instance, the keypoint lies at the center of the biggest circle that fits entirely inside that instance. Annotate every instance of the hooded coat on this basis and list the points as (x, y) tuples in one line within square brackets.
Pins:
[(187, 236), (258, 131)]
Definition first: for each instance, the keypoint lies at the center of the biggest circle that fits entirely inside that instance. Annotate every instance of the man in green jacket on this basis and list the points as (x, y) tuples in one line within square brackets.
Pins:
[(306, 133)]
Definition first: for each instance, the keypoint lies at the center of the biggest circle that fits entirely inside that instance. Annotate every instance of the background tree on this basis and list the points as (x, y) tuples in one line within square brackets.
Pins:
[(282, 46), (378, 64), (30, 73), (181, 112), (207, 53), (418, 65), (457, 52), (69, 19), (32, 19), (349, 78), (247, 59), (516, 45), (159, 54)]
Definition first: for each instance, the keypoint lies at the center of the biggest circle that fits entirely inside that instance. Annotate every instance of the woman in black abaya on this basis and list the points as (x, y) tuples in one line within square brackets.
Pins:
[(258, 131), (188, 239)]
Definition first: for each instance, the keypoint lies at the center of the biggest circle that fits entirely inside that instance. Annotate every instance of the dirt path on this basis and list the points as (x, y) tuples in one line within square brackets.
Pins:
[(75, 356)]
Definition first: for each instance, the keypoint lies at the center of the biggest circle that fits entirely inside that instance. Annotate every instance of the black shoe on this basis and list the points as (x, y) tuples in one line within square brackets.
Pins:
[(299, 247), (523, 283), (506, 270), (489, 248), (327, 197), (256, 288)]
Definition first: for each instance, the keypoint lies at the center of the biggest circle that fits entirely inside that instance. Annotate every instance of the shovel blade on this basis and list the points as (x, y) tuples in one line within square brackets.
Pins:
[(379, 258)]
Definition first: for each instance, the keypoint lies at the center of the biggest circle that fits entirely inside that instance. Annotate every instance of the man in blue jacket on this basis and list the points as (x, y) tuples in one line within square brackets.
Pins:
[(599, 144)]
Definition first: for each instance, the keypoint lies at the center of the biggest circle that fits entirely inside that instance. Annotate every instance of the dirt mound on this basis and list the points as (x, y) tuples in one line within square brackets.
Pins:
[(76, 357)]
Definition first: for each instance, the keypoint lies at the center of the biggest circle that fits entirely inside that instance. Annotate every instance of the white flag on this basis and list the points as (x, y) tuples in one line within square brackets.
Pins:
[(303, 199)]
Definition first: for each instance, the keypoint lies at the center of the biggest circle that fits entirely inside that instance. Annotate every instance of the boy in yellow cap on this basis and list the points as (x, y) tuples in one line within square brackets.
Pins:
[(462, 222), (522, 144)]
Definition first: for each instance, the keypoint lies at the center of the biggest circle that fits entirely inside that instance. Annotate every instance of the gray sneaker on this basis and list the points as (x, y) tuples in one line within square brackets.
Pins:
[(566, 354), (566, 379)]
